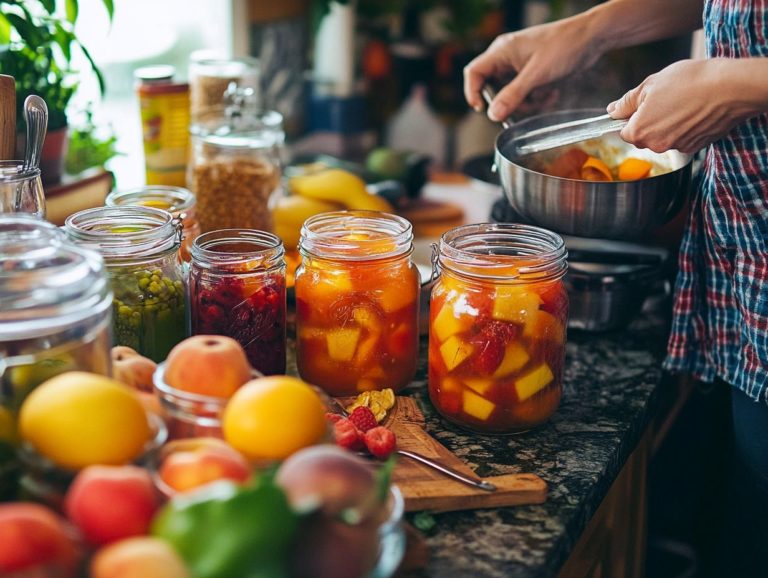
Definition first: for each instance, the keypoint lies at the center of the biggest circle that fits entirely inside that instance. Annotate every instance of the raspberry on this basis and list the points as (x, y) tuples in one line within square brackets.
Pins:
[(346, 435), (333, 417), (380, 441), (363, 419)]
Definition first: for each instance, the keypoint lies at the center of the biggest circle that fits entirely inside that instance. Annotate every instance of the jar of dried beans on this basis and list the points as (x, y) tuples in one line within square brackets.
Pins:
[(236, 170), (237, 288), (497, 323), (357, 302)]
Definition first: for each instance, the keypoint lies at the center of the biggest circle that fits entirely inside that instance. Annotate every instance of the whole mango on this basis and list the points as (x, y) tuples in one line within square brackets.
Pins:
[(339, 186), (289, 214)]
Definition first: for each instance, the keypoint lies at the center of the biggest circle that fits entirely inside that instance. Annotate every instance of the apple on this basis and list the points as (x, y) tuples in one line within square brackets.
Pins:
[(141, 557), (34, 538), (132, 369), (207, 365), (193, 462), (108, 503)]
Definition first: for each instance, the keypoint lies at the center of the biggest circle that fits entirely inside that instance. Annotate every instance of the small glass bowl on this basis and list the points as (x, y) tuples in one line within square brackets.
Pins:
[(46, 482), (392, 541), (190, 415)]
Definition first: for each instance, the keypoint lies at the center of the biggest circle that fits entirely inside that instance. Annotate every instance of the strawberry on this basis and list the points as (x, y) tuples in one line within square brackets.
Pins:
[(347, 436), (380, 441), (363, 419)]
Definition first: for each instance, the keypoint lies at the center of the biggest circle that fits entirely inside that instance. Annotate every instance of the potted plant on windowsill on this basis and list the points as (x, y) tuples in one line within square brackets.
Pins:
[(37, 47)]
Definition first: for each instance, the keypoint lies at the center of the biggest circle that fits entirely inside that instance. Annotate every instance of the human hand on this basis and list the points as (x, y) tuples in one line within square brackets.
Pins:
[(685, 106), (539, 55)]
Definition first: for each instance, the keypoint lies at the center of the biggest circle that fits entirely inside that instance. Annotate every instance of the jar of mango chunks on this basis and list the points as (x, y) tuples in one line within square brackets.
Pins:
[(497, 323), (237, 288), (357, 302), (178, 201), (140, 246)]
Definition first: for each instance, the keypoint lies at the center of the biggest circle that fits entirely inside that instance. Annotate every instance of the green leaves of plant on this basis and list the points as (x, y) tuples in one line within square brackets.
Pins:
[(72, 10)]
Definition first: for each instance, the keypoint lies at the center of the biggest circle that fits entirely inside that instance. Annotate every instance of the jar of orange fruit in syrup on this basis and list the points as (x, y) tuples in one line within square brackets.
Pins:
[(357, 302), (498, 315)]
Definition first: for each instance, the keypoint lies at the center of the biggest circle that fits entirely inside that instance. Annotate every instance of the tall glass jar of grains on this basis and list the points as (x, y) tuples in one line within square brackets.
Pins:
[(54, 317), (237, 288), (140, 246), (209, 80), (357, 302), (498, 314), (178, 201), (236, 170)]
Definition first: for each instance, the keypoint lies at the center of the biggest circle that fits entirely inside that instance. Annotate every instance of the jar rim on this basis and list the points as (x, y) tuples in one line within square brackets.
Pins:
[(326, 235), (488, 250), (210, 249), (125, 232), (13, 171), (180, 198)]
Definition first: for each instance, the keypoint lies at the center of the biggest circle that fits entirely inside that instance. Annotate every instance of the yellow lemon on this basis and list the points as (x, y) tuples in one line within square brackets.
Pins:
[(77, 419), (272, 417)]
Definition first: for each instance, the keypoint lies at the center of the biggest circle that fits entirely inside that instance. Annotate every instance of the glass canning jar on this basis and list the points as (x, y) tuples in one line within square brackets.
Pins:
[(235, 172), (357, 302), (209, 79), (498, 314), (140, 246), (21, 191), (237, 289), (54, 307), (178, 201)]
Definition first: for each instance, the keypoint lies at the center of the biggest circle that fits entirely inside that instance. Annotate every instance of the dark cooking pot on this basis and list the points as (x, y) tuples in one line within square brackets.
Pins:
[(610, 210)]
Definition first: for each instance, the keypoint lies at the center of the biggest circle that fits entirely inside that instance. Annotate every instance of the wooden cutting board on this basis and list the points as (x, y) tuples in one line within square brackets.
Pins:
[(427, 489)]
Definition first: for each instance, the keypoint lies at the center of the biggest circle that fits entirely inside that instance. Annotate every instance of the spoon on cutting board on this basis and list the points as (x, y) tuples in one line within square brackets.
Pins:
[(557, 135), (424, 460)]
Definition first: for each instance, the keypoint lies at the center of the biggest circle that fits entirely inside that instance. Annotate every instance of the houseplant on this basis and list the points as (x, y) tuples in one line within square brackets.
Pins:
[(37, 47)]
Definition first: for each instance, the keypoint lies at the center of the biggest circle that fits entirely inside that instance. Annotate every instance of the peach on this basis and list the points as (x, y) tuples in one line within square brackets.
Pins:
[(200, 461), (132, 369), (34, 538), (332, 479), (108, 503), (207, 365), (142, 557)]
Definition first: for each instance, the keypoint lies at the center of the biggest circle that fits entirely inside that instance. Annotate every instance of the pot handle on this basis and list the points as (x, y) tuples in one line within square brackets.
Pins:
[(489, 93)]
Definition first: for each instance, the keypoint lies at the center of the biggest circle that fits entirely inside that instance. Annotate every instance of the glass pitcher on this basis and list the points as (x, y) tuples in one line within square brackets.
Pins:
[(21, 191)]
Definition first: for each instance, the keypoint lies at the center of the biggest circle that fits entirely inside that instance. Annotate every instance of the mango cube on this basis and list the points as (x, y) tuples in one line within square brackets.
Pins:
[(450, 384), (366, 349), (533, 381), (476, 406), (515, 304), (515, 357), (479, 385), (447, 323), (366, 317), (543, 325), (342, 343), (454, 351), (393, 296)]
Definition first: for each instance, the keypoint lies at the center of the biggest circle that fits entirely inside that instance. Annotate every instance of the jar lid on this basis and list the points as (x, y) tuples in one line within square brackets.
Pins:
[(46, 283), (158, 73)]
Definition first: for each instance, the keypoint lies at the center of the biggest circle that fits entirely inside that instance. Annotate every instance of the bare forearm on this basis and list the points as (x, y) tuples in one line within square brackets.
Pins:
[(622, 23), (746, 83)]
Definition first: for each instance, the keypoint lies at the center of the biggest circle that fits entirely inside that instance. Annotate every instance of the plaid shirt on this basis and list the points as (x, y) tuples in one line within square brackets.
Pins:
[(720, 324)]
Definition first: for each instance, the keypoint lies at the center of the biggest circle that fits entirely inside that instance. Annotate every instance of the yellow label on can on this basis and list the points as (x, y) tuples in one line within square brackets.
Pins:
[(165, 124)]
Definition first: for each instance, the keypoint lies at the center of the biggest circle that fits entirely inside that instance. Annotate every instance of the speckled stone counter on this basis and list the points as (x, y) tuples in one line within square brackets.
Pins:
[(610, 393)]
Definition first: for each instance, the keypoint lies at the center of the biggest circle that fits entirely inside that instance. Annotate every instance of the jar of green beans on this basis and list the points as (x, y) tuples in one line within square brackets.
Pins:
[(140, 246)]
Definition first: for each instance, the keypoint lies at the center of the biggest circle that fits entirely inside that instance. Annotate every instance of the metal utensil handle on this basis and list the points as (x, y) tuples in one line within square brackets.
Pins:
[(36, 116), (474, 482), (489, 93), (567, 133)]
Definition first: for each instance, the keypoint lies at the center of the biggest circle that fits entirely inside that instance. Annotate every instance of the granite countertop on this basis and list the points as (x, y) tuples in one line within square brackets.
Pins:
[(610, 393)]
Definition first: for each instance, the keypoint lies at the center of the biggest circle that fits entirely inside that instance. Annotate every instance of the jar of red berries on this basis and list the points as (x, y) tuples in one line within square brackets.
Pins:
[(237, 288)]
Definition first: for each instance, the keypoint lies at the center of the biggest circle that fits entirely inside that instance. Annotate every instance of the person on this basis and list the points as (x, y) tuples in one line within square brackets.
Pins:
[(720, 312)]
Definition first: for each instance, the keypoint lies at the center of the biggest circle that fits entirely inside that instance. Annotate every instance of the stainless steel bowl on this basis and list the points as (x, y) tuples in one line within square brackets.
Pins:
[(610, 210)]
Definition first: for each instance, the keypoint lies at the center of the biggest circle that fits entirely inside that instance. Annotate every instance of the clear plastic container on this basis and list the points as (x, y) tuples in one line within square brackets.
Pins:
[(357, 302), (178, 201), (237, 289), (498, 316), (140, 246)]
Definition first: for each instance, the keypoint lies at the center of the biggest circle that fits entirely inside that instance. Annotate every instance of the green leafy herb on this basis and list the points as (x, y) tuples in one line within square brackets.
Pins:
[(89, 146), (424, 522)]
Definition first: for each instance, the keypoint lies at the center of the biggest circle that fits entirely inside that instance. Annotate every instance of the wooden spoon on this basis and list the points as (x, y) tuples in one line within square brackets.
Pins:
[(7, 118)]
